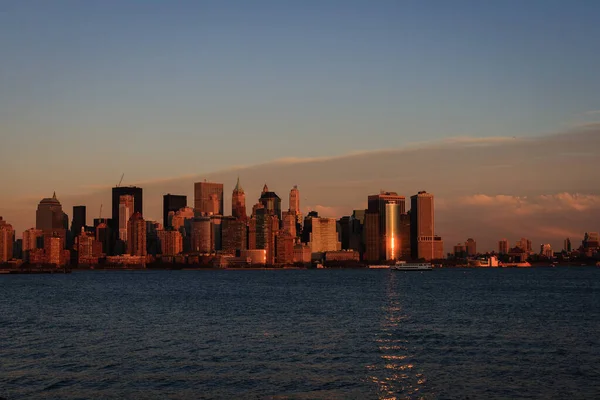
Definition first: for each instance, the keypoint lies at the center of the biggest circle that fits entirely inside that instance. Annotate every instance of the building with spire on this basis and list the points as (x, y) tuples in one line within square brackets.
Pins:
[(271, 202), (238, 202), (50, 217)]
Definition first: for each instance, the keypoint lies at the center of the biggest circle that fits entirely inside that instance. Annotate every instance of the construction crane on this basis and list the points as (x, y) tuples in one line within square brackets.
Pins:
[(119, 184)]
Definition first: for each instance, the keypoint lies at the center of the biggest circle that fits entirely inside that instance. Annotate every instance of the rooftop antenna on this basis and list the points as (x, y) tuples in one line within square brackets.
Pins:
[(120, 181), (100, 217)]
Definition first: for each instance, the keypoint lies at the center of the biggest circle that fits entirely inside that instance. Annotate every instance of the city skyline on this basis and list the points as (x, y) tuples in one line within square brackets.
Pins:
[(549, 199)]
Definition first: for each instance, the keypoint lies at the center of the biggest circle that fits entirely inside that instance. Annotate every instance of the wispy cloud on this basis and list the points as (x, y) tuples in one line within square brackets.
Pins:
[(548, 203)]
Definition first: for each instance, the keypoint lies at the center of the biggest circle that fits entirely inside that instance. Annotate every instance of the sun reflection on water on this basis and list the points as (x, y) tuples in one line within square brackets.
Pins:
[(395, 374)]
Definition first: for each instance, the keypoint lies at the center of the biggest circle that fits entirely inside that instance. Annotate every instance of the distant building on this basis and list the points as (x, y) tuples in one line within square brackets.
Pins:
[(460, 251), (7, 239), (178, 218), (54, 252), (285, 248), (170, 242), (31, 239), (389, 208), (371, 231), (119, 191), (88, 249), (152, 242), (546, 251), (238, 202), (295, 200), (424, 243), (181, 221), (503, 246), (263, 228), (79, 220), (271, 202), (525, 245), (289, 223), (202, 239), (104, 235), (591, 241), (50, 216), (136, 240), (302, 253), (126, 207), (471, 247), (321, 234), (172, 203), (567, 245), (233, 235), (206, 195)]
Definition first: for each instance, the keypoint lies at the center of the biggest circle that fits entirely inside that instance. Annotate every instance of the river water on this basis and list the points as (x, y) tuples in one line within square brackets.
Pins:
[(302, 334)]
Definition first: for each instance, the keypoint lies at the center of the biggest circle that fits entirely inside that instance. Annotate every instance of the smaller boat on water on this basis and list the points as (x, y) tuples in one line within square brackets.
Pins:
[(404, 266)]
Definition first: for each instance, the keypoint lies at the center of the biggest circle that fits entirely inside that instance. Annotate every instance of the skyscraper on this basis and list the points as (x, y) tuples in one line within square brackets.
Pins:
[(567, 245), (170, 242), (32, 239), (79, 220), (238, 202), (389, 208), (7, 238), (264, 228), (126, 210), (503, 246), (119, 191), (233, 231), (295, 200), (271, 202), (172, 202), (471, 247), (136, 235), (289, 223), (322, 236), (424, 243), (202, 235), (50, 216), (203, 202)]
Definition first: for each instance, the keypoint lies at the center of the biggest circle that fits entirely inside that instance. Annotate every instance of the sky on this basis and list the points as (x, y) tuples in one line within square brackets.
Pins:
[(165, 89)]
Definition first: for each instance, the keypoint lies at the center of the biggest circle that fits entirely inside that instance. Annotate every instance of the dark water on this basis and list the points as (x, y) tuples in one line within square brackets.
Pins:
[(324, 334)]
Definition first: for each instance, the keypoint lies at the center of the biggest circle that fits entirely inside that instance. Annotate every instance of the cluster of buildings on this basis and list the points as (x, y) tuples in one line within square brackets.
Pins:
[(523, 250), (264, 234)]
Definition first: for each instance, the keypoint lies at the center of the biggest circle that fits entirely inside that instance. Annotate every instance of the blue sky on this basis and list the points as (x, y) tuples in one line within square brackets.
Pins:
[(157, 89)]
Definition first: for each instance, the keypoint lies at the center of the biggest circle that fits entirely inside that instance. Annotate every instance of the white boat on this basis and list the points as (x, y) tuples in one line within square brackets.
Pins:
[(404, 266)]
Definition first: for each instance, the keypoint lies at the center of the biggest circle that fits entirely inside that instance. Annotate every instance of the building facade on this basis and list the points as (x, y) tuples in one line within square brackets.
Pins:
[(424, 243), (208, 198), (136, 240), (238, 202), (172, 203), (7, 239)]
